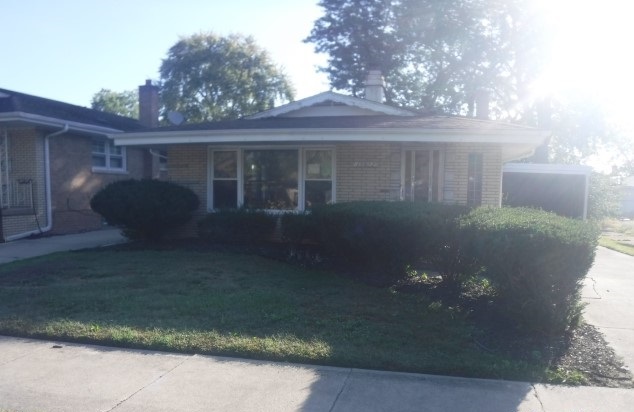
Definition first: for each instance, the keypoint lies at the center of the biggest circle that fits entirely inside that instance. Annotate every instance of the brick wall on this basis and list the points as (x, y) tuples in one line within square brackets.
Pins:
[(456, 172), (188, 167), (73, 182), (368, 171), (26, 162)]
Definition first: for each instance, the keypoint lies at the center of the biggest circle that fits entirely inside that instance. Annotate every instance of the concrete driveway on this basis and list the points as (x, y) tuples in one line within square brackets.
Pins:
[(27, 248), (609, 293)]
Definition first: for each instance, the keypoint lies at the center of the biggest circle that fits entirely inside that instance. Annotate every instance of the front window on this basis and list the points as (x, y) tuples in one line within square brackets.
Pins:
[(107, 156), (318, 178), (271, 179), (274, 179)]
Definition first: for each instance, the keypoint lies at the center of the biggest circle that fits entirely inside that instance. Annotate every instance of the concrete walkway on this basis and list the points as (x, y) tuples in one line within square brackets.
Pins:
[(53, 376), (609, 293), (48, 376), (27, 248)]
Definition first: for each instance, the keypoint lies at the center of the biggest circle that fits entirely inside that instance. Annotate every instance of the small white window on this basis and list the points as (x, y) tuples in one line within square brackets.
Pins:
[(107, 157)]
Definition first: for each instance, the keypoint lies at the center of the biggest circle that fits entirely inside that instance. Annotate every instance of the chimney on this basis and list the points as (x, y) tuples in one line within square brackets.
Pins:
[(375, 86), (482, 104), (149, 104)]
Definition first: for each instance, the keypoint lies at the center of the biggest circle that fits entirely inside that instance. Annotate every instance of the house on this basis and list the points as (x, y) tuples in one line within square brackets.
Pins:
[(336, 148), (54, 157)]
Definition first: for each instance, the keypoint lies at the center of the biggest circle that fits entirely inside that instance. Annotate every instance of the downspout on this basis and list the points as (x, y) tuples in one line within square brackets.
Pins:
[(47, 186)]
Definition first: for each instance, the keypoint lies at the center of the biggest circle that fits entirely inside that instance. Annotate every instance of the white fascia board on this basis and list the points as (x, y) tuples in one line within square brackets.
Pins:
[(548, 168), (327, 135), (55, 122), (335, 97)]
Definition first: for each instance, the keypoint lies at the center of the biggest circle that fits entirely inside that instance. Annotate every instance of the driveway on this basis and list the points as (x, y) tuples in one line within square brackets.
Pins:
[(609, 294), (27, 248)]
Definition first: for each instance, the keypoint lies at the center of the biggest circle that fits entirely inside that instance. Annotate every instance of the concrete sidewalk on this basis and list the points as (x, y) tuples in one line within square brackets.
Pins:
[(27, 248), (48, 376)]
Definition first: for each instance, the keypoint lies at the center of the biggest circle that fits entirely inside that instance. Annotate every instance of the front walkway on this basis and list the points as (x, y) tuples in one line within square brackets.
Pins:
[(27, 248)]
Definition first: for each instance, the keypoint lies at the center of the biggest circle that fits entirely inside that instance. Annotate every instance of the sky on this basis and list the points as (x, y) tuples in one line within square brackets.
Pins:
[(70, 49)]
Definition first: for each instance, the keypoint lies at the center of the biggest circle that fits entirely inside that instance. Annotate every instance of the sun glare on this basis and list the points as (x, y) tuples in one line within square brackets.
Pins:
[(592, 54)]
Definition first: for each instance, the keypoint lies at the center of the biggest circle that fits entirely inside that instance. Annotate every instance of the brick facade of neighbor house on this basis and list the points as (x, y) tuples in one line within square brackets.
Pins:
[(26, 164), (74, 183)]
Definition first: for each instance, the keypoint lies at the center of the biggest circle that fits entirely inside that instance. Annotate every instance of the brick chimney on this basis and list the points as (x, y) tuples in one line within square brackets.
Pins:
[(375, 86), (149, 104), (482, 104)]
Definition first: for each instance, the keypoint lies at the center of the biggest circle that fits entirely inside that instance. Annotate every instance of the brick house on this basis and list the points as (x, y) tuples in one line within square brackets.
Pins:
[(54, 157), (336, 148)]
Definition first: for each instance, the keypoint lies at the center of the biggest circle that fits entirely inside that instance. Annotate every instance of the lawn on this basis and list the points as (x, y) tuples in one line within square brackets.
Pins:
[(242, 305)]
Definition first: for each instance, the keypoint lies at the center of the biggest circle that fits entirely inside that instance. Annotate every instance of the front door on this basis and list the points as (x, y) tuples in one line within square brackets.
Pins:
[(422, 174)]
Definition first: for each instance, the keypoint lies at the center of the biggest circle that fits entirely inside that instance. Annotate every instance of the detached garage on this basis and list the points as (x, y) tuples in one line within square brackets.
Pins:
[(562, 189)]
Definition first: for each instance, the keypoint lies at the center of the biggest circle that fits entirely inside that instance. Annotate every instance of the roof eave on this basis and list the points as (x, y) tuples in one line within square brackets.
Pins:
[(530, 137), (38, 120)]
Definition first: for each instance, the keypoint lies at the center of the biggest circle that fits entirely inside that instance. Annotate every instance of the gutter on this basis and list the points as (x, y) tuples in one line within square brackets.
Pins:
[(47, 184)]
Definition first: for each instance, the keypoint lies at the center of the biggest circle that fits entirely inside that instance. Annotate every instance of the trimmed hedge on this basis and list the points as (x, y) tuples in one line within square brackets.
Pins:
[(388, 236), (145, 209), (237, 226), (536, 260)]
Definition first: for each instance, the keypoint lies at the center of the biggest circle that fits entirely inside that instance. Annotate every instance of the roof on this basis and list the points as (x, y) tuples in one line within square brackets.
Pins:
[(432, 122), (333, 98), (12, 102)]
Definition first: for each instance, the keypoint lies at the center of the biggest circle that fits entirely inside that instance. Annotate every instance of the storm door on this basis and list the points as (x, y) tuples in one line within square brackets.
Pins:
[(422, 175)]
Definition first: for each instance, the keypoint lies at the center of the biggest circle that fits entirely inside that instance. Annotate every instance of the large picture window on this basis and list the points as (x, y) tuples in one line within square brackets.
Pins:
[(273, 179), (106, 156)]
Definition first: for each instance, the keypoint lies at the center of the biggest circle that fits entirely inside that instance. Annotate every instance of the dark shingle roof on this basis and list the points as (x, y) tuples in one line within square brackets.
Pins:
[(432, 122), (25, 103)]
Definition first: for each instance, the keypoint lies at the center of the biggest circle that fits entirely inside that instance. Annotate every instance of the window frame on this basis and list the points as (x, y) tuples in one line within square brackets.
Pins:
[(108, 154), (301, 175)]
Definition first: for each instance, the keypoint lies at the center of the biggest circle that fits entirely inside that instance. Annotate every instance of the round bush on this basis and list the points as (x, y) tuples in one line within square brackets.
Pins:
[(145, 209)]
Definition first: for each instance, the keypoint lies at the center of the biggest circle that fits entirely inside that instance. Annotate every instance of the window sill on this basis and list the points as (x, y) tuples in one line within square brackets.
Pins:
[(105, 170)]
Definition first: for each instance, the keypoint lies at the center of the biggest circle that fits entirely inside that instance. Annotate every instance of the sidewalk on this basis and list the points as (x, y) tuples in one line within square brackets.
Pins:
[(48, 376), (27, 248)]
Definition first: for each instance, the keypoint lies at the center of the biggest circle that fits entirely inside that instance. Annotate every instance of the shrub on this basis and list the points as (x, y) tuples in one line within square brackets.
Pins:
[(298, 228), (241, 226), (536, 260), (387, 236), (145, 209)]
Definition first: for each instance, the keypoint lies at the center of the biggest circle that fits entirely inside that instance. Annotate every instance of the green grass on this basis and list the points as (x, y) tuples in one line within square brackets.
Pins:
[(615, 245), (241, 305)]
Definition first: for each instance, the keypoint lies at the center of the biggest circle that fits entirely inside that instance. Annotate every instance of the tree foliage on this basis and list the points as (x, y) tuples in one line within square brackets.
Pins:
[(434, 54), (124, 103), (209, 77)]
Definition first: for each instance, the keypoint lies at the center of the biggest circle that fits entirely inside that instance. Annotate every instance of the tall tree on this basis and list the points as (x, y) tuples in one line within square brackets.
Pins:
[(434, 54), (124, 103), (208, 77)]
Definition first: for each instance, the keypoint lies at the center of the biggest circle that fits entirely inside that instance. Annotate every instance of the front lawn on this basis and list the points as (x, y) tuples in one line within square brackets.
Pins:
[(248, 306)]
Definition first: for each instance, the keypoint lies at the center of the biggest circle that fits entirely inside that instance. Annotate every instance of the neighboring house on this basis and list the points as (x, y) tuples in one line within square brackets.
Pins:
[(54, 157), (335, 148), (626, 190)]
